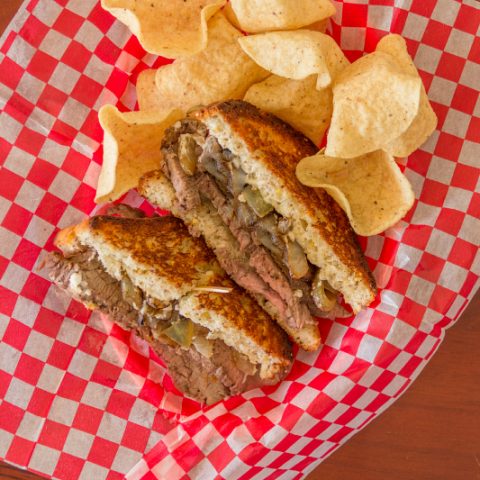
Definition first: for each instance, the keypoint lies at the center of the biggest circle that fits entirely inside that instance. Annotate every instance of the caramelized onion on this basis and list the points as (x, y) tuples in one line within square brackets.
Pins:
[(323, 294), (203, 346), (131, 293), (186, 153), (338, 311), (296, 259), (156, 317), (284, 225), (238, 181), (256, 202), (267, 240), (222, 166), (269, 223), (181, 332), (227, 154)]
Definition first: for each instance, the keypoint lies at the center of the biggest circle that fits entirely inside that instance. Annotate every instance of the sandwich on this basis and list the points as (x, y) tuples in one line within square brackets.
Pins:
[(228, 171), (150, 276)]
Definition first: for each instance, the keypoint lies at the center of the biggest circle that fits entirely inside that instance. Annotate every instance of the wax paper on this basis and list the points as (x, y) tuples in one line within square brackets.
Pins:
[(82, 398)]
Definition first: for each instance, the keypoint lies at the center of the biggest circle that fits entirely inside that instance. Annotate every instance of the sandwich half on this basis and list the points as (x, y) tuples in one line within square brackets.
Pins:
[(228, 171), (149, 275)]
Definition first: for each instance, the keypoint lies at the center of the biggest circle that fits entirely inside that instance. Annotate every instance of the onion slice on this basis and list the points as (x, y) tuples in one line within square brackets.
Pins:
[(181, 332), (238, 180), (297, 261), (256, 201), (323, 294), (186, 154)]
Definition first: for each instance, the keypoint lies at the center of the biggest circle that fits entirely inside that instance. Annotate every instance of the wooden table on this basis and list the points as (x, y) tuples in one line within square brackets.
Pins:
[(431, 433)]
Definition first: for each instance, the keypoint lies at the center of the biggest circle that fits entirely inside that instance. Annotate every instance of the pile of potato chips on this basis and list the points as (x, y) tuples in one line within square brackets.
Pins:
[(374, 109)]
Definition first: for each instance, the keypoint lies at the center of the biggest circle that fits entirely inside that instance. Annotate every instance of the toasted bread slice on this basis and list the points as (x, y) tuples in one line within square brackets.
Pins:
[(156, 188), (268, 151), (160, 257)]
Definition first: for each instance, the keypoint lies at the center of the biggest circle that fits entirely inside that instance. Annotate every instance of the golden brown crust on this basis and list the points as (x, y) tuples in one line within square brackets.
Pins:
[(66, 239), (249, 317), (281, 147), (164, 244), (155, 185)]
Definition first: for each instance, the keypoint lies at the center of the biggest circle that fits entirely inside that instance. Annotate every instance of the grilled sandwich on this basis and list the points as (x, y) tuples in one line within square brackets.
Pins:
[(149, 275), (228, 171)]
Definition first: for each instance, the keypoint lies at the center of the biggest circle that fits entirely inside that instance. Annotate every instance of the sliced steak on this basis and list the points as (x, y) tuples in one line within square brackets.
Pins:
[(264, 247), (192, 373), (84, 277), (208, 379), (295, 310), (238, 268), (185, 186), (123, 210)]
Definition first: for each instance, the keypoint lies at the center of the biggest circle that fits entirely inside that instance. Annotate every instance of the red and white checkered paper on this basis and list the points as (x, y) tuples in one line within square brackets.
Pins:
[(80, 397)]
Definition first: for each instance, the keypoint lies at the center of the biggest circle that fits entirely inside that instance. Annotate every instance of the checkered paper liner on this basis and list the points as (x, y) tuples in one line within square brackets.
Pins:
[(82, 398)]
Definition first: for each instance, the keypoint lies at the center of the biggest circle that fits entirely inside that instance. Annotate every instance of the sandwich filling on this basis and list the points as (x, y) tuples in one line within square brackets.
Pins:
[(205, 369), (268, 261)]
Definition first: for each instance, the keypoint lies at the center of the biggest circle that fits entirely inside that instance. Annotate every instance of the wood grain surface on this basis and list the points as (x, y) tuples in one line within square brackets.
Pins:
[(431, 433), (8, 8)]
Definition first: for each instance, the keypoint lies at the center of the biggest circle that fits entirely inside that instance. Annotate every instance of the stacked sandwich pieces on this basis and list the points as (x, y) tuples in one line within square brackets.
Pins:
[(228, 172)]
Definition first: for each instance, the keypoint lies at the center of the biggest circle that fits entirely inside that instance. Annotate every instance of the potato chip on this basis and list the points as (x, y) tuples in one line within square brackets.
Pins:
[(230, 15), (222, 71), (296, 55), (371, 189), (255, 16), (425, 121), (296, 102), (395, 46), (374, 102), (147, 94), (131, 148), (171, 28), (320, 26)]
